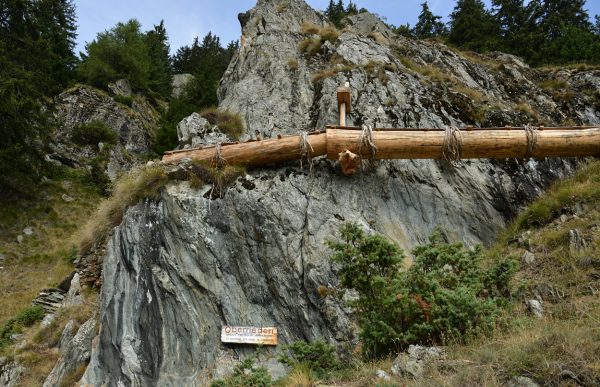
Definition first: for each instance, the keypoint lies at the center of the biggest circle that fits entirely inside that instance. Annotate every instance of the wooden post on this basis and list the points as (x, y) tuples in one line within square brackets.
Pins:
[(344, 95)]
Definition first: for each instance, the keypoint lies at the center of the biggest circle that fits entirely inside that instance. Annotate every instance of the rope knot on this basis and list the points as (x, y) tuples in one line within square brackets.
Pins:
[(452, 148), (306, 150), (366, 141), (532, 133)]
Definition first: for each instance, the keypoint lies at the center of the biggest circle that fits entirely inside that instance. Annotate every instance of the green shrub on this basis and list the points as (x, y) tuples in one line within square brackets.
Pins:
[(229, 123), (128, 101), (246, 374), (26, 318), (445, 295), (97, 176), (92, 133), (317, 356)]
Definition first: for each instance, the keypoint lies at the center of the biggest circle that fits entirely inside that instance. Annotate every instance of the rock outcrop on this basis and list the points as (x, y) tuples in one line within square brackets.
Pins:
[(179, 268), (134, 125)]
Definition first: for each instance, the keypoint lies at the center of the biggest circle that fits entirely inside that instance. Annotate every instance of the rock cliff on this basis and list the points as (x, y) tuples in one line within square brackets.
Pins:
[(134, 121), (179, 268)]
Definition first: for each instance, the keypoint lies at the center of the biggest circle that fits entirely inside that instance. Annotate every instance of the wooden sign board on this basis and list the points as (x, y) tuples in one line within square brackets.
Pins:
[(249, 335)]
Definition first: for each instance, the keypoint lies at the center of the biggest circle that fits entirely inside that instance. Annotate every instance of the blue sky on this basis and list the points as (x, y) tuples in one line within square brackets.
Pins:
[(185, 19)]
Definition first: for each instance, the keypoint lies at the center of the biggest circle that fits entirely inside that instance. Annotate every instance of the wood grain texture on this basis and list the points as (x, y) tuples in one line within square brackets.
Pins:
[(405, 144)]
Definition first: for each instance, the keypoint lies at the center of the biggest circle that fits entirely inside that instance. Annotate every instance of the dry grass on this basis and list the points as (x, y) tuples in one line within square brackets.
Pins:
[(310, 28), (229, 123), (433, 74), (40, 352), (221, 178), (474, 94), (43, 259), (310, 46), (327, 33), (379, 38), (378, 70), (526, 108), (554, 84), (331, 72), (293, 64), (136, 185)]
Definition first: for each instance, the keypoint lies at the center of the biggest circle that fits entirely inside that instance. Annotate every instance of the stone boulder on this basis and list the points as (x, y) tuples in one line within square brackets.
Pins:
[(195, 131), (121, 87), (75, 351), (413, 362)]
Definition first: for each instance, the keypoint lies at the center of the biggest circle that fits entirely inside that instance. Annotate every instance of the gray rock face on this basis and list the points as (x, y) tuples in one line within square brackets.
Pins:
[(535, 307), (194, 131), (84, 104), (528, 258), (179, 82), (576, 241), (178, 269), (10, 373), (121, 87), (75, 351)]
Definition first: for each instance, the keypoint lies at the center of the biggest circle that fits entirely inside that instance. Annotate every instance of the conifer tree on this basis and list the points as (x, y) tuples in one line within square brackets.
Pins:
[(351, 9), (160, 65), (36, 40), (429, 25), (471, 26)]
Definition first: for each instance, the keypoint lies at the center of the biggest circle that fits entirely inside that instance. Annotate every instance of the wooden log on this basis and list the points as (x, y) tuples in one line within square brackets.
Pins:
[(264, 152), (401, 144), (468, 128), (405, 144)]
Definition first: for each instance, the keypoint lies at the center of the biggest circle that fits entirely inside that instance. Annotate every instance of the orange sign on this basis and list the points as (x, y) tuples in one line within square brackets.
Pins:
[(249, 335)]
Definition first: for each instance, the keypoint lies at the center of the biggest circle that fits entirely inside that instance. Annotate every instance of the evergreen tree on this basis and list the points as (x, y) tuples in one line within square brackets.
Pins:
[(429, 25), (472, 27), (404, 30), (335, 12), (559, 13), (121, 52), (160, 63), (32, 51), (597, 25), (564, 33), (55, 20), (206, 61), (352, 9)]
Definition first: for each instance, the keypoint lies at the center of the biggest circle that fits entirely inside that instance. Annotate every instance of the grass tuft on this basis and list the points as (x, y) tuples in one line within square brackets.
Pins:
[(229, 123), (132, 187)]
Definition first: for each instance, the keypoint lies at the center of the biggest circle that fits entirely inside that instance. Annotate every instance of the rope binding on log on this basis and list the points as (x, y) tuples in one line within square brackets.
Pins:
[(532, 134), (366, 141), (452, 147), (306, 150), (218, 161)]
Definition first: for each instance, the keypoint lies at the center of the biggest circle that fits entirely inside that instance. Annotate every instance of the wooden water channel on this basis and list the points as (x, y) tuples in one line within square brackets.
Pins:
[(337, 142)]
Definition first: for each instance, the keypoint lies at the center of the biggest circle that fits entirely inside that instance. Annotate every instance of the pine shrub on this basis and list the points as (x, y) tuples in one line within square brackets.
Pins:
[(444, 296)]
